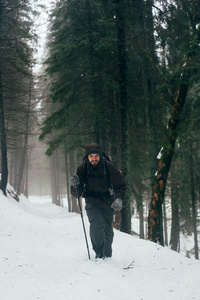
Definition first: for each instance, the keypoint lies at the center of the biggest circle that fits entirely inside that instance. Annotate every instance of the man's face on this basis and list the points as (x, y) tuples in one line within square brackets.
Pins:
[(94, 158)]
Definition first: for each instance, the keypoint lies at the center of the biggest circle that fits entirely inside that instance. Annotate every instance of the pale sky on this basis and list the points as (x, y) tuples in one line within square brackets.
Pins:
[(41, 29)]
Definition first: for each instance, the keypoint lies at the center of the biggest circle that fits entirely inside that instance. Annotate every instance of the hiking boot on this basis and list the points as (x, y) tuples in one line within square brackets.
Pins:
[(99, 256), (107, 255)]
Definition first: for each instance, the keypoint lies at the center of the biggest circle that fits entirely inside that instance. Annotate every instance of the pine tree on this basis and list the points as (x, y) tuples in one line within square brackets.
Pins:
[(182, 68), (15, 66)]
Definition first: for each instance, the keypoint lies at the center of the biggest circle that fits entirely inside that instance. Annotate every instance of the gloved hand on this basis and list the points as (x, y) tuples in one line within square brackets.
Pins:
[(117, 204), (75, 181), (73, 191)]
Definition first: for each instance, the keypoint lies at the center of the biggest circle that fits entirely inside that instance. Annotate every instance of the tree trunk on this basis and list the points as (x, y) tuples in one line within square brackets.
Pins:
[(194, 213), (175, 211), (55, 178), (149, 83), (141, 214), (90, 33), (140, 209), (53, 188), (24, 155), (155, 227), (25, 189), (67, 173), (4, 162), (165, 223), (122, 81), (75, 205)]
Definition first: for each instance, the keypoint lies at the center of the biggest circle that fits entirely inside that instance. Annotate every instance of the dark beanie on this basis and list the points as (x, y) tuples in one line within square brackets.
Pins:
[(93, 148)]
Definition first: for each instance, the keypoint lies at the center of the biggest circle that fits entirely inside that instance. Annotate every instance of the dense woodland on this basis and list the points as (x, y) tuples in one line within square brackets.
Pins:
[(124, 74)]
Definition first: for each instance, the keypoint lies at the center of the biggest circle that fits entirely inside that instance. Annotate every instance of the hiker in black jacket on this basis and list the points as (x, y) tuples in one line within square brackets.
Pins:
[(103, 187)]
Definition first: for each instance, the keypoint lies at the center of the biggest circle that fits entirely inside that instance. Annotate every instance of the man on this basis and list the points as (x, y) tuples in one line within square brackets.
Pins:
[(103, 187)]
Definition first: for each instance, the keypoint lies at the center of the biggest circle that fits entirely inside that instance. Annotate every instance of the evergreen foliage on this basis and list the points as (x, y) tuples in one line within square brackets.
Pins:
[(81, 55)]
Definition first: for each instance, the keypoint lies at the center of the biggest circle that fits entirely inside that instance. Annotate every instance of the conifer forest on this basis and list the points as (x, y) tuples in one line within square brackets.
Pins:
[(121, 73)]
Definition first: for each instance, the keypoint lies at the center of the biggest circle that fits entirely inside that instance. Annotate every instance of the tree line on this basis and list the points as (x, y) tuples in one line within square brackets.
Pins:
[(17, 97)]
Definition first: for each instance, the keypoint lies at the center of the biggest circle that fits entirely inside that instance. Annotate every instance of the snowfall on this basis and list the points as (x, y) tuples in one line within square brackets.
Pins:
[(44, 256)]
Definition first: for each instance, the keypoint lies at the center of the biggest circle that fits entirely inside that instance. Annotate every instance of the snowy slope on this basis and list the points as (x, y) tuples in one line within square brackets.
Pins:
[(43, 256)]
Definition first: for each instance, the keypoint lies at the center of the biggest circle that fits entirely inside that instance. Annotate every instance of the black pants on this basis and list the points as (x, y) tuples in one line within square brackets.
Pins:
[(101, 230)]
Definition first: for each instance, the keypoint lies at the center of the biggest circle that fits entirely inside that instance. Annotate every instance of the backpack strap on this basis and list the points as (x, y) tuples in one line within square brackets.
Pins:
[(105, 169)]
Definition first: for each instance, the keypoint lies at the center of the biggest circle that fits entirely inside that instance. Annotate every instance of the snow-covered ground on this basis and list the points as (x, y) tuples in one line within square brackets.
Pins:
[(44, 256)]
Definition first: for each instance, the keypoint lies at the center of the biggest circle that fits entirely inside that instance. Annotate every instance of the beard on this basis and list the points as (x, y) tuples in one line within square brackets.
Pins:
[(94, 163)]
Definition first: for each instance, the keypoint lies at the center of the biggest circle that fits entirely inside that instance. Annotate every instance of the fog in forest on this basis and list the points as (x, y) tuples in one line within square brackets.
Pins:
[(39, 172)]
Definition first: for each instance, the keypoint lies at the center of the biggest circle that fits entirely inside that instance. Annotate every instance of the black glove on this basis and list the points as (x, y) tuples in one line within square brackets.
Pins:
[(73, 191), (117, 204), (75, 181)]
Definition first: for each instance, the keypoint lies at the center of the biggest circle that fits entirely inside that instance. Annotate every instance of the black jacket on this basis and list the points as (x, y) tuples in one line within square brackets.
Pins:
[(101, 184)]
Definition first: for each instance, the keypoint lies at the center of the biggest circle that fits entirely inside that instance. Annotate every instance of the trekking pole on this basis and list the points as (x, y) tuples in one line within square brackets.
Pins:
[(79, 202), (75, 182)]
